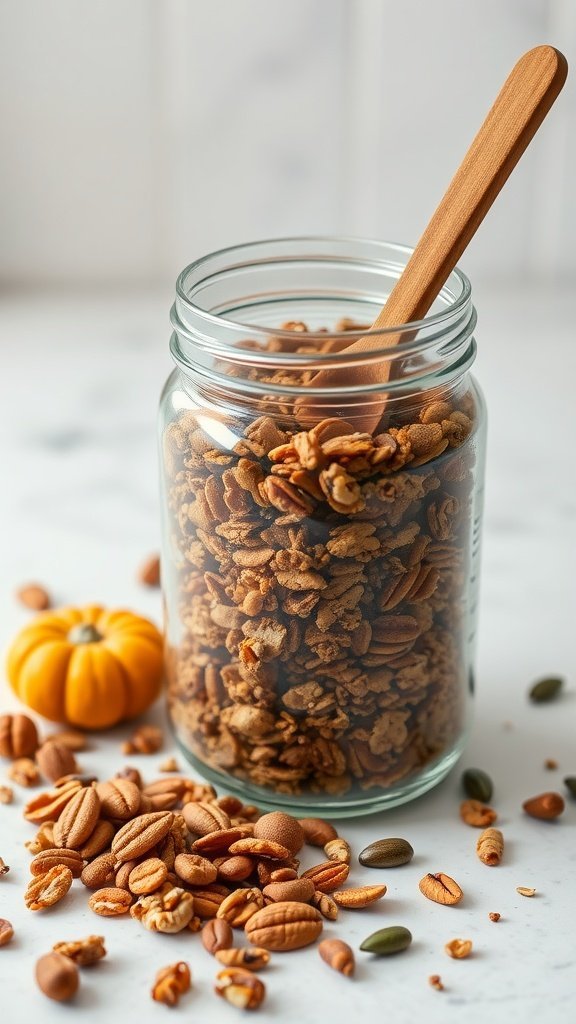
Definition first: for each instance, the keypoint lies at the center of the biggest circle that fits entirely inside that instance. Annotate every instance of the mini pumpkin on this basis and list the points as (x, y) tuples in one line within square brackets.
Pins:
[(87, 666)]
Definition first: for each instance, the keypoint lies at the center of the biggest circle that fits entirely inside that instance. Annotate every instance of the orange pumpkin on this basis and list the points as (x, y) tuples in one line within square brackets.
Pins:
[(87, 666)]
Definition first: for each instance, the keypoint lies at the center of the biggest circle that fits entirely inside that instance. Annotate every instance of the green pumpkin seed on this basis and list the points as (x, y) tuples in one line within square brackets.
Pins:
[(477, 785), (570, 783), (545, 689), (386, 853), (387, 941)]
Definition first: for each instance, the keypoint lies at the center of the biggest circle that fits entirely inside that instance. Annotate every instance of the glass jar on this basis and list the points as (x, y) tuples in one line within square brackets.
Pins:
[(320, 580)]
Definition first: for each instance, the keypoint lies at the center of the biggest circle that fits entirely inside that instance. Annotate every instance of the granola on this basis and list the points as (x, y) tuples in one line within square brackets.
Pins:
[(321, 641)]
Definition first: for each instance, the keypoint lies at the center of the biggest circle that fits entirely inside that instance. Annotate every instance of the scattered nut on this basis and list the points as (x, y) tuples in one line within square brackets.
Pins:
[(149, 572), (83, 952), (55, 760), (217, 935), (34, 597), (171, 983), (458, 949), (436, 982), (240, 987), (546, 806), (48, 889), (441, 889), (147, 739), (24, 772), (57, 976), (169, 765), (477, 814), (494, 915), (524, 890), (6, 795), (18, 736), (252, 958), (4, 868), (338, 955), (6, 931)]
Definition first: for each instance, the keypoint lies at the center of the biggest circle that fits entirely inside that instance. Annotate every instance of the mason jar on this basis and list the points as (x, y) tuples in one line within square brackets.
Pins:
[(321, 510)]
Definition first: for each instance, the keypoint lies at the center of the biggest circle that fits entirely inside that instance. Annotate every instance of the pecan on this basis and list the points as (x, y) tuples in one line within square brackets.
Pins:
[(240, 987), (100, 872), (169, 910), (55, 760), (217, 935), (24, 772), (119, 799), (352, 899), (49, 888), (194, 869), (57, 977), (338, 955), (6, 795), (285, 497), (260, 848), (50, 858), (339, 850), (490, 846), (441, 889), (317, 832), (99, 839), (72, 739), (147, 739), (49, 805), (477, 814), (458, 949), (78, 819), (284, 926), (203, 818), (239, 906), (326, 905), (218, 842), (208, 900), (83, 952), (328, 875), (298, 890), (110, 902), (18, 736), (171, 983), (43, 840), (234, 869), (140, 834), (251, 958), (147, 876)]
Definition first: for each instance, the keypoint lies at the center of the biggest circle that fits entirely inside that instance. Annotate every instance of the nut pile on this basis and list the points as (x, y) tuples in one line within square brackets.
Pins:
[(321, 580)]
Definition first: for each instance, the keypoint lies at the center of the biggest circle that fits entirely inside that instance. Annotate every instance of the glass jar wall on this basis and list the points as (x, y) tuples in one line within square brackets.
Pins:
[(320, 558)]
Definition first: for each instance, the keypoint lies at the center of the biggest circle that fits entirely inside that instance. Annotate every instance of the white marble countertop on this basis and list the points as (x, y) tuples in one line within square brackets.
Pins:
[(79, 381)]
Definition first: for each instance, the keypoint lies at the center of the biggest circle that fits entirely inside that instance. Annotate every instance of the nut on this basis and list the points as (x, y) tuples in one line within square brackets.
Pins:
[(55, 760), (170, 764), (49, 888), (281, 828), (494, 915), (78, 819), (208, 900), (251, 958), (260, 848), (98, 840), (6, 931), (171, 983), (73, 739), (33, 596), (4, 868), (149, 572), (147, 876), (387, 941), (6, 795), (317, 832), (194, 869), (169, 910), (436, 982), (219, 841), (338, 849), (284, 926), (239, 987), (386, 853), (546, 806), (132, 774), (458, 949), (338, 955), (138, 836), (83, 952), (524, 890), (239, 906), (100, 872), (50, 804), (299, 890), (43, 840), (203, 818), (50, 858), (57, 977), (441, 889), (18, 736), (363, 896), (490, 846), (119, 799), (147, 739), (110, 902), (217, 935), (477, 814), (326, 905), (234, 869), (328, 876), (24, 772)]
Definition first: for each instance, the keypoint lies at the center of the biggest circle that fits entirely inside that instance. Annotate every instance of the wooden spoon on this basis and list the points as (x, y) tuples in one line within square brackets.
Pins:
[(519, 109)]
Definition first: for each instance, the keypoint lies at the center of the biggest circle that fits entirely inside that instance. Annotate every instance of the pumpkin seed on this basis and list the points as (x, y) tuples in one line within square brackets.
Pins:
[(570, 783), (387, 941), (386, 853), (477, 785), (545, 689)]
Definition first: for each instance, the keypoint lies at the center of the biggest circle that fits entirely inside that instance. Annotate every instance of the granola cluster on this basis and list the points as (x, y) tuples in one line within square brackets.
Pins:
[(321, 580)]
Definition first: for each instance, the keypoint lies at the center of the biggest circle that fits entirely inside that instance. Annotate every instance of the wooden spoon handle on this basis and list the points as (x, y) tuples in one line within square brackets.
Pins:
[(519, 109)]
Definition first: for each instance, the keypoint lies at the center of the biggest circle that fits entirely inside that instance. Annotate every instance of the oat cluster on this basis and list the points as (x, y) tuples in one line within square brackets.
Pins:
[(321, 577)]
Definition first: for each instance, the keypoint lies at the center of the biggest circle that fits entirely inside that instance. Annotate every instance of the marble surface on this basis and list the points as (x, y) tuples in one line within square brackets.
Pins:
[(79, 383)]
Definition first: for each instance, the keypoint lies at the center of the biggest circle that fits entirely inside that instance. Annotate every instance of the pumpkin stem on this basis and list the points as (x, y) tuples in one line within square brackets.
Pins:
[(85, 633)]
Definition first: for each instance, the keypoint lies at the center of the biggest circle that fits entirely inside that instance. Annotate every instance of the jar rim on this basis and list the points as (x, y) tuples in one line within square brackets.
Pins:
[(435, 320)]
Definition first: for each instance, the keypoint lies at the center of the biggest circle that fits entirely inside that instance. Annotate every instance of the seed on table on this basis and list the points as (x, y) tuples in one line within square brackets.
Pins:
[(281, 828), (477, 784), (441, 889), (252, 958), (494, 915), (362, 896), (338, 849), (171, 983), (458, 949), (436, 982), (394, 939), (6, 931), (490, 846), (338, 955), (317, 832), (545, 806), (477, 814), (240, 987), (545, 689), (83, 952), (217, 935), (524, 890), (57, 976), (386, 853)]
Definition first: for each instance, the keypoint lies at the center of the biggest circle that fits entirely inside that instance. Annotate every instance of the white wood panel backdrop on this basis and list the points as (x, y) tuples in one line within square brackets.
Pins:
[(139, 134)]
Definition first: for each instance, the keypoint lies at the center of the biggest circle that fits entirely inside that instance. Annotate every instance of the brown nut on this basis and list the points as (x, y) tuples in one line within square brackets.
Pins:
[(546, 806), (284, 926), (6, 794), (194, 869), (100, 873), (99, 840), (18, 736), (83, 952), (280, 828), (50, 858), (34, 597), (78, 819), (239, 906), (458, 949), (338, 849), (317, 832), (203, 818), (490, 846), (217, 842), (171, 983), (123, 874), (24, 772), (57, 977), (110, 902), (362, 896), (147, 876), (328, 876), (49, 805), (326, 905), (239, 987), (169, 910), (71, 738), (48, 889), (139, 835), (6, 931), (119, 799), (208, 900), (55, 760), (217, 935), (149, 572), (260, 848), (250, 958), (234, 869), (477, 814), (338, 955), (43, 840), (441, 889), (299, 890)]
